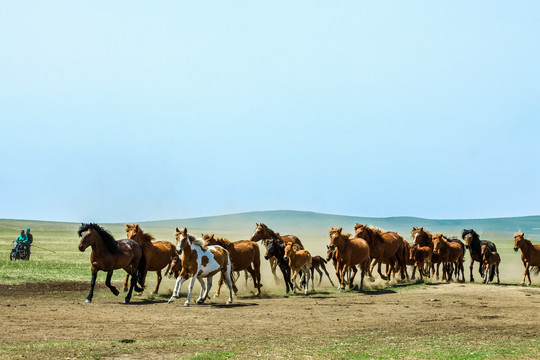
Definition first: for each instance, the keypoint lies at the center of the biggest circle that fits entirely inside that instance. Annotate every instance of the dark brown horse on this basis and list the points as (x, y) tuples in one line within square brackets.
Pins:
[(490, 259), (108, 255), (158, 253), (245, 255), (384, 247), (264, 233), (530, 255), (474, 244)]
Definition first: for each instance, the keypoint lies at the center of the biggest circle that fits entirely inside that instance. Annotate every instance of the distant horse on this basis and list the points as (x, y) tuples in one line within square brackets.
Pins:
[(244, 255), (264, 233), (490, 259), (474, 244), (276, 249), (349, 252), (530, 255), (384, 247), (451, 253), (158, 254), (299, 262), (108, 255), (199, 262), (318, 263)]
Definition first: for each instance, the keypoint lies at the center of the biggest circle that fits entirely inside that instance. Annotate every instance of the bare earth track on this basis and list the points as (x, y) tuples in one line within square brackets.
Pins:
[(270, 326)]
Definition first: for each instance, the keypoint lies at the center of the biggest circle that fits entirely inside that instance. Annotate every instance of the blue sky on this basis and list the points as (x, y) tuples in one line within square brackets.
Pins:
[(130, 110)]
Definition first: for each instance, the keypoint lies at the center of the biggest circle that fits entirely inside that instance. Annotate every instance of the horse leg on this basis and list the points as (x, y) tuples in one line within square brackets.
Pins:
[(273, 264), (159, 277), (525, 273), (230, 284), (339, 272), (327, 275), (126, 282), (498, 280), (354, 271), (92, 285), (219, 284), (179, 281), (114, 290), (470, 268), (254, 277), (413, 276), (133, 284), (203, 294), (342, 283), (190, 289), (379, 270)]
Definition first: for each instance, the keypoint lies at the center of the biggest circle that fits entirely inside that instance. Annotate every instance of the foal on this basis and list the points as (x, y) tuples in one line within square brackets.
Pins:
[(421, 258), (299, 261), (490, 259)]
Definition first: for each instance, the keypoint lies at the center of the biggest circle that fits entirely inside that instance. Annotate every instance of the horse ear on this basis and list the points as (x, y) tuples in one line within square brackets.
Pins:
[(339, 230), (212, 236), (137, 227), (185, 231), (177, 230)]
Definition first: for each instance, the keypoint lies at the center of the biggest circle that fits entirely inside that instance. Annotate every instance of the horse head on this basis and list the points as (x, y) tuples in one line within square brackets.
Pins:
[(273, 249), (87, 236), (519, 239), (288, 252), (133, 230), (438, 243), (182, 239)]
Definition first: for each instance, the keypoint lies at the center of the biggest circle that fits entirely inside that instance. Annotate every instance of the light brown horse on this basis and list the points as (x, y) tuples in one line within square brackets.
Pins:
[(245, 255), (299, 261), (349, 252), (451, 253), (530, 255), (490, 259), (158, 253), (199, 262), (108, 255), (384, 247), (264, 233)]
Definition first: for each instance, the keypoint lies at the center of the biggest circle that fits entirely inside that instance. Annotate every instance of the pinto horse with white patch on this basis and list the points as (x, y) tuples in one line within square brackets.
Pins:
[(199, 262)]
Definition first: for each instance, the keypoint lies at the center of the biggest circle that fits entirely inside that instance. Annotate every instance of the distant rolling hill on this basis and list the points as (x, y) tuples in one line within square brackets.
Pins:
[(315, 224)]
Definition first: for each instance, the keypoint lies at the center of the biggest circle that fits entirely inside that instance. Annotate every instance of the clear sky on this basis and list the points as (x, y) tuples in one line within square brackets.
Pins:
[(137, 110)]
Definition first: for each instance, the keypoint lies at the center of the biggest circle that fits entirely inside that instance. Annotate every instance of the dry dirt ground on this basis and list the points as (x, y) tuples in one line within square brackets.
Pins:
[(52, 320)]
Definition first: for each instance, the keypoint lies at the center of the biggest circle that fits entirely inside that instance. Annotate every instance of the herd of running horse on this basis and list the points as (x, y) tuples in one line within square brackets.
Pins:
[(198, 259)]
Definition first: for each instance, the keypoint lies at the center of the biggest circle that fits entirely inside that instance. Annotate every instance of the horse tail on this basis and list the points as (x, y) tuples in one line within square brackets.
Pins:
[(535, 270), (141, 268)]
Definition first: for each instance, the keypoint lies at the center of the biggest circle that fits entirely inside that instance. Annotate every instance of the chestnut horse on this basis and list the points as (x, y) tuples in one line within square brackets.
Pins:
[(299, 262), (264, 233), (421, 259), (474, 244), (384, 247), (490, 259), (349, 252), (158, 253), (108, 255), (451, 252), (199, 262), (530, 255), (244, 255)]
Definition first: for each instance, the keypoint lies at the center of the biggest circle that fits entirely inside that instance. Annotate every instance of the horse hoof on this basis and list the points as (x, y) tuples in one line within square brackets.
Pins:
[(200, 301), (186, 304), (522, 283), (115, 292), (126, 301), (171, 299), (88, 301)]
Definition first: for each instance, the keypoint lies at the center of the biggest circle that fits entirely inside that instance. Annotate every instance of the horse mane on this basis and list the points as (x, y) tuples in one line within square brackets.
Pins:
[(110, 243), (196, 242), (273, 235), (145, 236), (473, 233)]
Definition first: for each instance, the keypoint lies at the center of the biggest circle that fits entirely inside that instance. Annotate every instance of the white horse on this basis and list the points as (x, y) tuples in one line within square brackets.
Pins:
[(200, 262)]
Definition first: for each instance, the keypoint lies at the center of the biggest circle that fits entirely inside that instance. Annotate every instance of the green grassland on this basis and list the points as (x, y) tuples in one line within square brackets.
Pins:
[(62, 261)]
